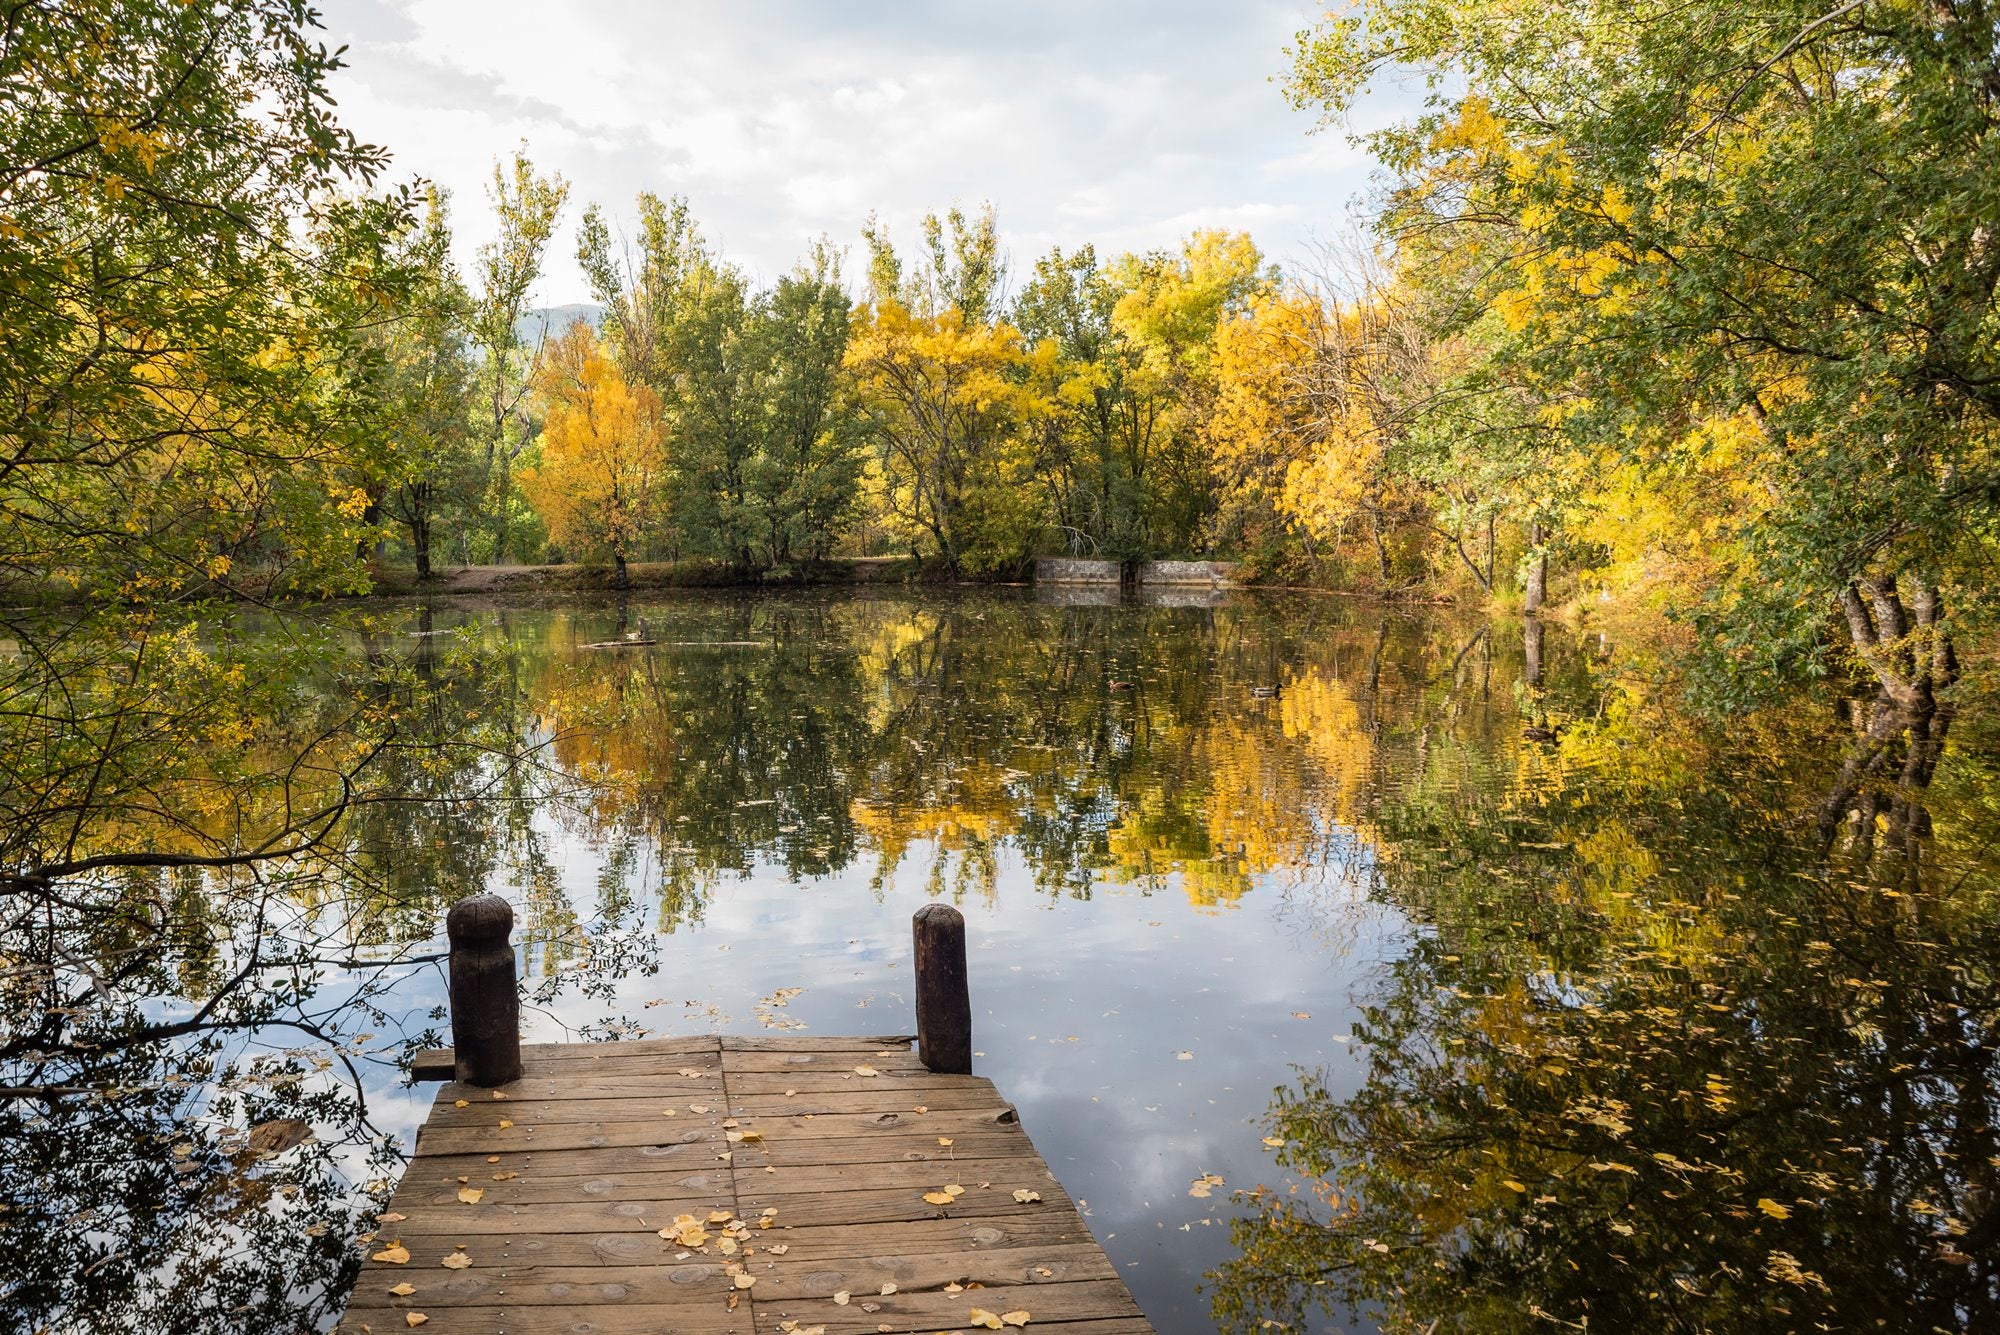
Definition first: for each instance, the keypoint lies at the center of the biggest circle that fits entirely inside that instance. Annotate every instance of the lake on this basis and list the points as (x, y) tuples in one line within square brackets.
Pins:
[(1354, 969)]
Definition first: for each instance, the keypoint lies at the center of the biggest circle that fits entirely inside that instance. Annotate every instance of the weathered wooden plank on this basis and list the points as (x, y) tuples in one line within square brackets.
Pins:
[(637, 1243), (813, 1042), (434, 1064), (711, 1188), (629, 1160), (841, 1062), (584, 1103), (920, 1176), (553, 1213), (663, 1084), (906, 1085), (935, 1310), (896, 1205), (861, 1101), (885, 1125), (796, 1278), (635, 1319), (898, 1147), (529, 1137), (701, 1282), (916, 1237)]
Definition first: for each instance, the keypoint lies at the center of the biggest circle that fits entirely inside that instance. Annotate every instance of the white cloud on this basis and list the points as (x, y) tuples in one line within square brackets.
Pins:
[(1123, 124)]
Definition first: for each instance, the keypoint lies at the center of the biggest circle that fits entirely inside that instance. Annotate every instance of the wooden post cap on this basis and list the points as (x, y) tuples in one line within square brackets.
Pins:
[(479, 918)]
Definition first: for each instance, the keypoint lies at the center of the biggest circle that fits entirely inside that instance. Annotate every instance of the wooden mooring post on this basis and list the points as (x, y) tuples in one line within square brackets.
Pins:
[(944, 1001), (485, 1002)]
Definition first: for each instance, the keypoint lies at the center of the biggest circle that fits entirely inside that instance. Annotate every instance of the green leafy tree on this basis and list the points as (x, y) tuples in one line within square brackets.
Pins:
[(527, 207)]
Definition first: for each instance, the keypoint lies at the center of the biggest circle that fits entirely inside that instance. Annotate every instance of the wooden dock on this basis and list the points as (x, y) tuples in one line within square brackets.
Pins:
[(725, 1186)]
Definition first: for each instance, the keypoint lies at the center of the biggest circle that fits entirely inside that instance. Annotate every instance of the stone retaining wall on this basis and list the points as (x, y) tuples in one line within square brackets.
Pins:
[(1074, 570), (1212, 574)]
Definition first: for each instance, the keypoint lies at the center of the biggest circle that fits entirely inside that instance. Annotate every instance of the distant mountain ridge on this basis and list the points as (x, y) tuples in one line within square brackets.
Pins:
[(552, 321)]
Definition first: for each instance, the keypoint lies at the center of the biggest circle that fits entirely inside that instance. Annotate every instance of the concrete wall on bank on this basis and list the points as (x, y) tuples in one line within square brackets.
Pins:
[(1073, 570), (1210, 574)]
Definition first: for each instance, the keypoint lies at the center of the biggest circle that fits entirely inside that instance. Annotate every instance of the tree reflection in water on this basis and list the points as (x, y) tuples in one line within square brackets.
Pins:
[(1693, 1035), (1699, 1037)]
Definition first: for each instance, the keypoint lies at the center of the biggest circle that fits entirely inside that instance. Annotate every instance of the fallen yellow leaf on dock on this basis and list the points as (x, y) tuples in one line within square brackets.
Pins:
[(456, 1261), (395, 1254), (1024, 1196), (415, 1318), (471, 1195), (404, 1290)]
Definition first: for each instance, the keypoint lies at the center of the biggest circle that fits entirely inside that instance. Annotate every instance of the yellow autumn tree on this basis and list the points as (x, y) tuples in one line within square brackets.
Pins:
[(602, 451), (949, 414)]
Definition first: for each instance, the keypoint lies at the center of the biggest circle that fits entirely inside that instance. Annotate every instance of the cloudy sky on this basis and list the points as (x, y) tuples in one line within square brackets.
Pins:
[(1126, 123)]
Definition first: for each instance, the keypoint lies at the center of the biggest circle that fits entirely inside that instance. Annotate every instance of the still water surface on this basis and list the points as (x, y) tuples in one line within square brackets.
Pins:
[(1354, 970)]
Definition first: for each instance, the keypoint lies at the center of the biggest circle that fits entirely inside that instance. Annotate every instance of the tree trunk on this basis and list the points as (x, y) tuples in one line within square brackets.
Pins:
[(622, 579), (420, 543), (1538, 571)]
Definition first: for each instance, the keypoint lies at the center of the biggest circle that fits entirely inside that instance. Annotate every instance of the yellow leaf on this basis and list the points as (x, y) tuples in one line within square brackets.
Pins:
[(744, 1281), (404, 1289), (981, 1317), (456, 1261), (1274, 1142), (1511, 1184), (1773, 1209), (944, 1140), (471, 1195), (462, 1103), (888, 1289), (415, 1318), (1015, 1318), (395, 1254), (866, 1070), (840, 1299), (1024, 1196), (953, 1189), (937, 1197), (504, 1124)]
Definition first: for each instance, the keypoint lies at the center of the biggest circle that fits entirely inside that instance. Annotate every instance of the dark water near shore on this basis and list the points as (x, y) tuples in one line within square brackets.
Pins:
[(1354, 970)]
